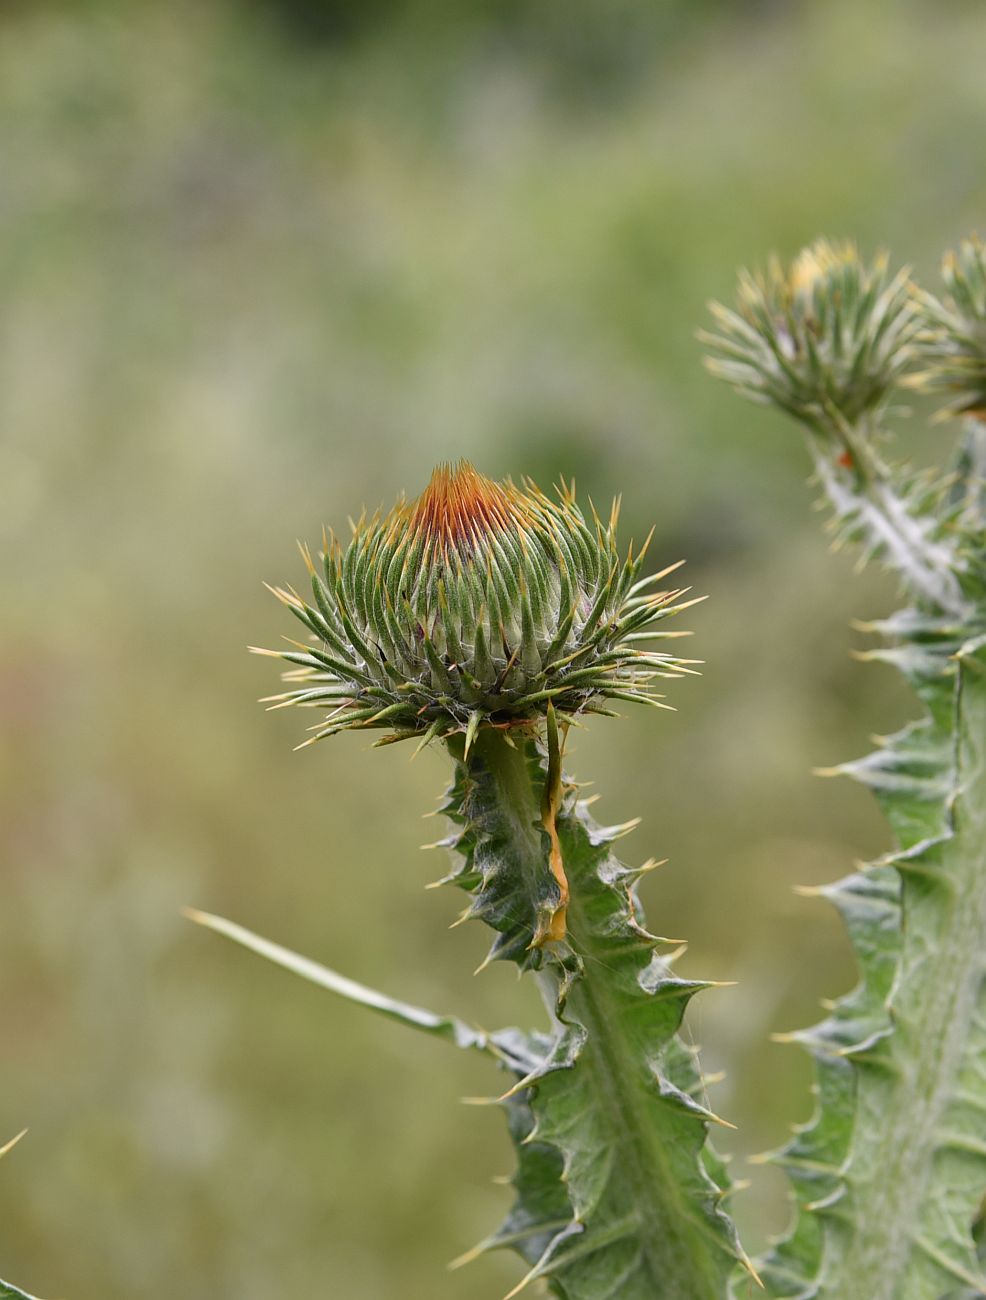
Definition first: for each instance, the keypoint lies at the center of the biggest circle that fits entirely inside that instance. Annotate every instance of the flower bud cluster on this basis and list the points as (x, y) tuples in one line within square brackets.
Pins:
[(479, 603)]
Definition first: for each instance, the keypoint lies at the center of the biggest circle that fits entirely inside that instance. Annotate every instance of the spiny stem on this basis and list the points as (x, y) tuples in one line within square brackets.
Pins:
[(865, 495), (630, 1142), (668, 1227)]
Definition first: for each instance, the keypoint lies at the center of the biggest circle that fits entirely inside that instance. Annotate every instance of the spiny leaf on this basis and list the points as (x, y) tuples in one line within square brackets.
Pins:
[(891, 1172), (616, 1097)]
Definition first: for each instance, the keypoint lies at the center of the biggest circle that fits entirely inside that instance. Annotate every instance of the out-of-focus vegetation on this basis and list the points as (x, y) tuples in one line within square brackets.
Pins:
[(261, 263)]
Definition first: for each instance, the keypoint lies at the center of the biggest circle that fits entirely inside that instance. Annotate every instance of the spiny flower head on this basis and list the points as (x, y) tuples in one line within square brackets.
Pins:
[(479, 603), (954, 342), (827, 334)]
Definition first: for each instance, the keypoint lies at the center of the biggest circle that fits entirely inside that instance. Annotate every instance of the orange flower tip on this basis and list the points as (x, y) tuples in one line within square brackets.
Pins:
[(459, 506)]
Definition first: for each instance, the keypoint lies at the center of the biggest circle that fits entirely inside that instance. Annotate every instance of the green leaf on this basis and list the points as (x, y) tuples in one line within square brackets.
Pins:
[(617, 1096)]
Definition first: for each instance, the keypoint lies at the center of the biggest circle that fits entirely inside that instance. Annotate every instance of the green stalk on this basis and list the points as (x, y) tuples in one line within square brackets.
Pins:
[(617, 1093), (894, 520)]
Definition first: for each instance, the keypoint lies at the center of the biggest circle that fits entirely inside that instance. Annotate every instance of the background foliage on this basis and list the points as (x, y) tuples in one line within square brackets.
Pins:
[(259, 263)]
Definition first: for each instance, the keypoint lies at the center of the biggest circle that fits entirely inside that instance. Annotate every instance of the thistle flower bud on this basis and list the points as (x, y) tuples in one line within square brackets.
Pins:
[(954, 341), (826, 334), (479, 603)]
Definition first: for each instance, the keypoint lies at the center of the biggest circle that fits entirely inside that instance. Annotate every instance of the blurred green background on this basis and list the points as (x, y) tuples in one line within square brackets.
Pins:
[(261, 263)]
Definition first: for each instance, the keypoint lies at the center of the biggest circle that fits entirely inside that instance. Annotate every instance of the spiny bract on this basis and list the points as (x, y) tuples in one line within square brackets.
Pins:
[(826, 333), (478, 603)]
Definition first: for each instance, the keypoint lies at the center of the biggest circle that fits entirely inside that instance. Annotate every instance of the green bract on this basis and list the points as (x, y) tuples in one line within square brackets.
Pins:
[(478, 603), (828, 332), (954, 345)]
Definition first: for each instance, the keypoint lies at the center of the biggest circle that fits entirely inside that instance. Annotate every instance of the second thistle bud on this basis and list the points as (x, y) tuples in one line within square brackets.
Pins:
[(479, 603), (827, 335)]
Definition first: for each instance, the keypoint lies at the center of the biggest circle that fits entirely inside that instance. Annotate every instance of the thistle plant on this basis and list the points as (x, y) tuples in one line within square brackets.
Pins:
[(890, 1174), (489, 619)]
